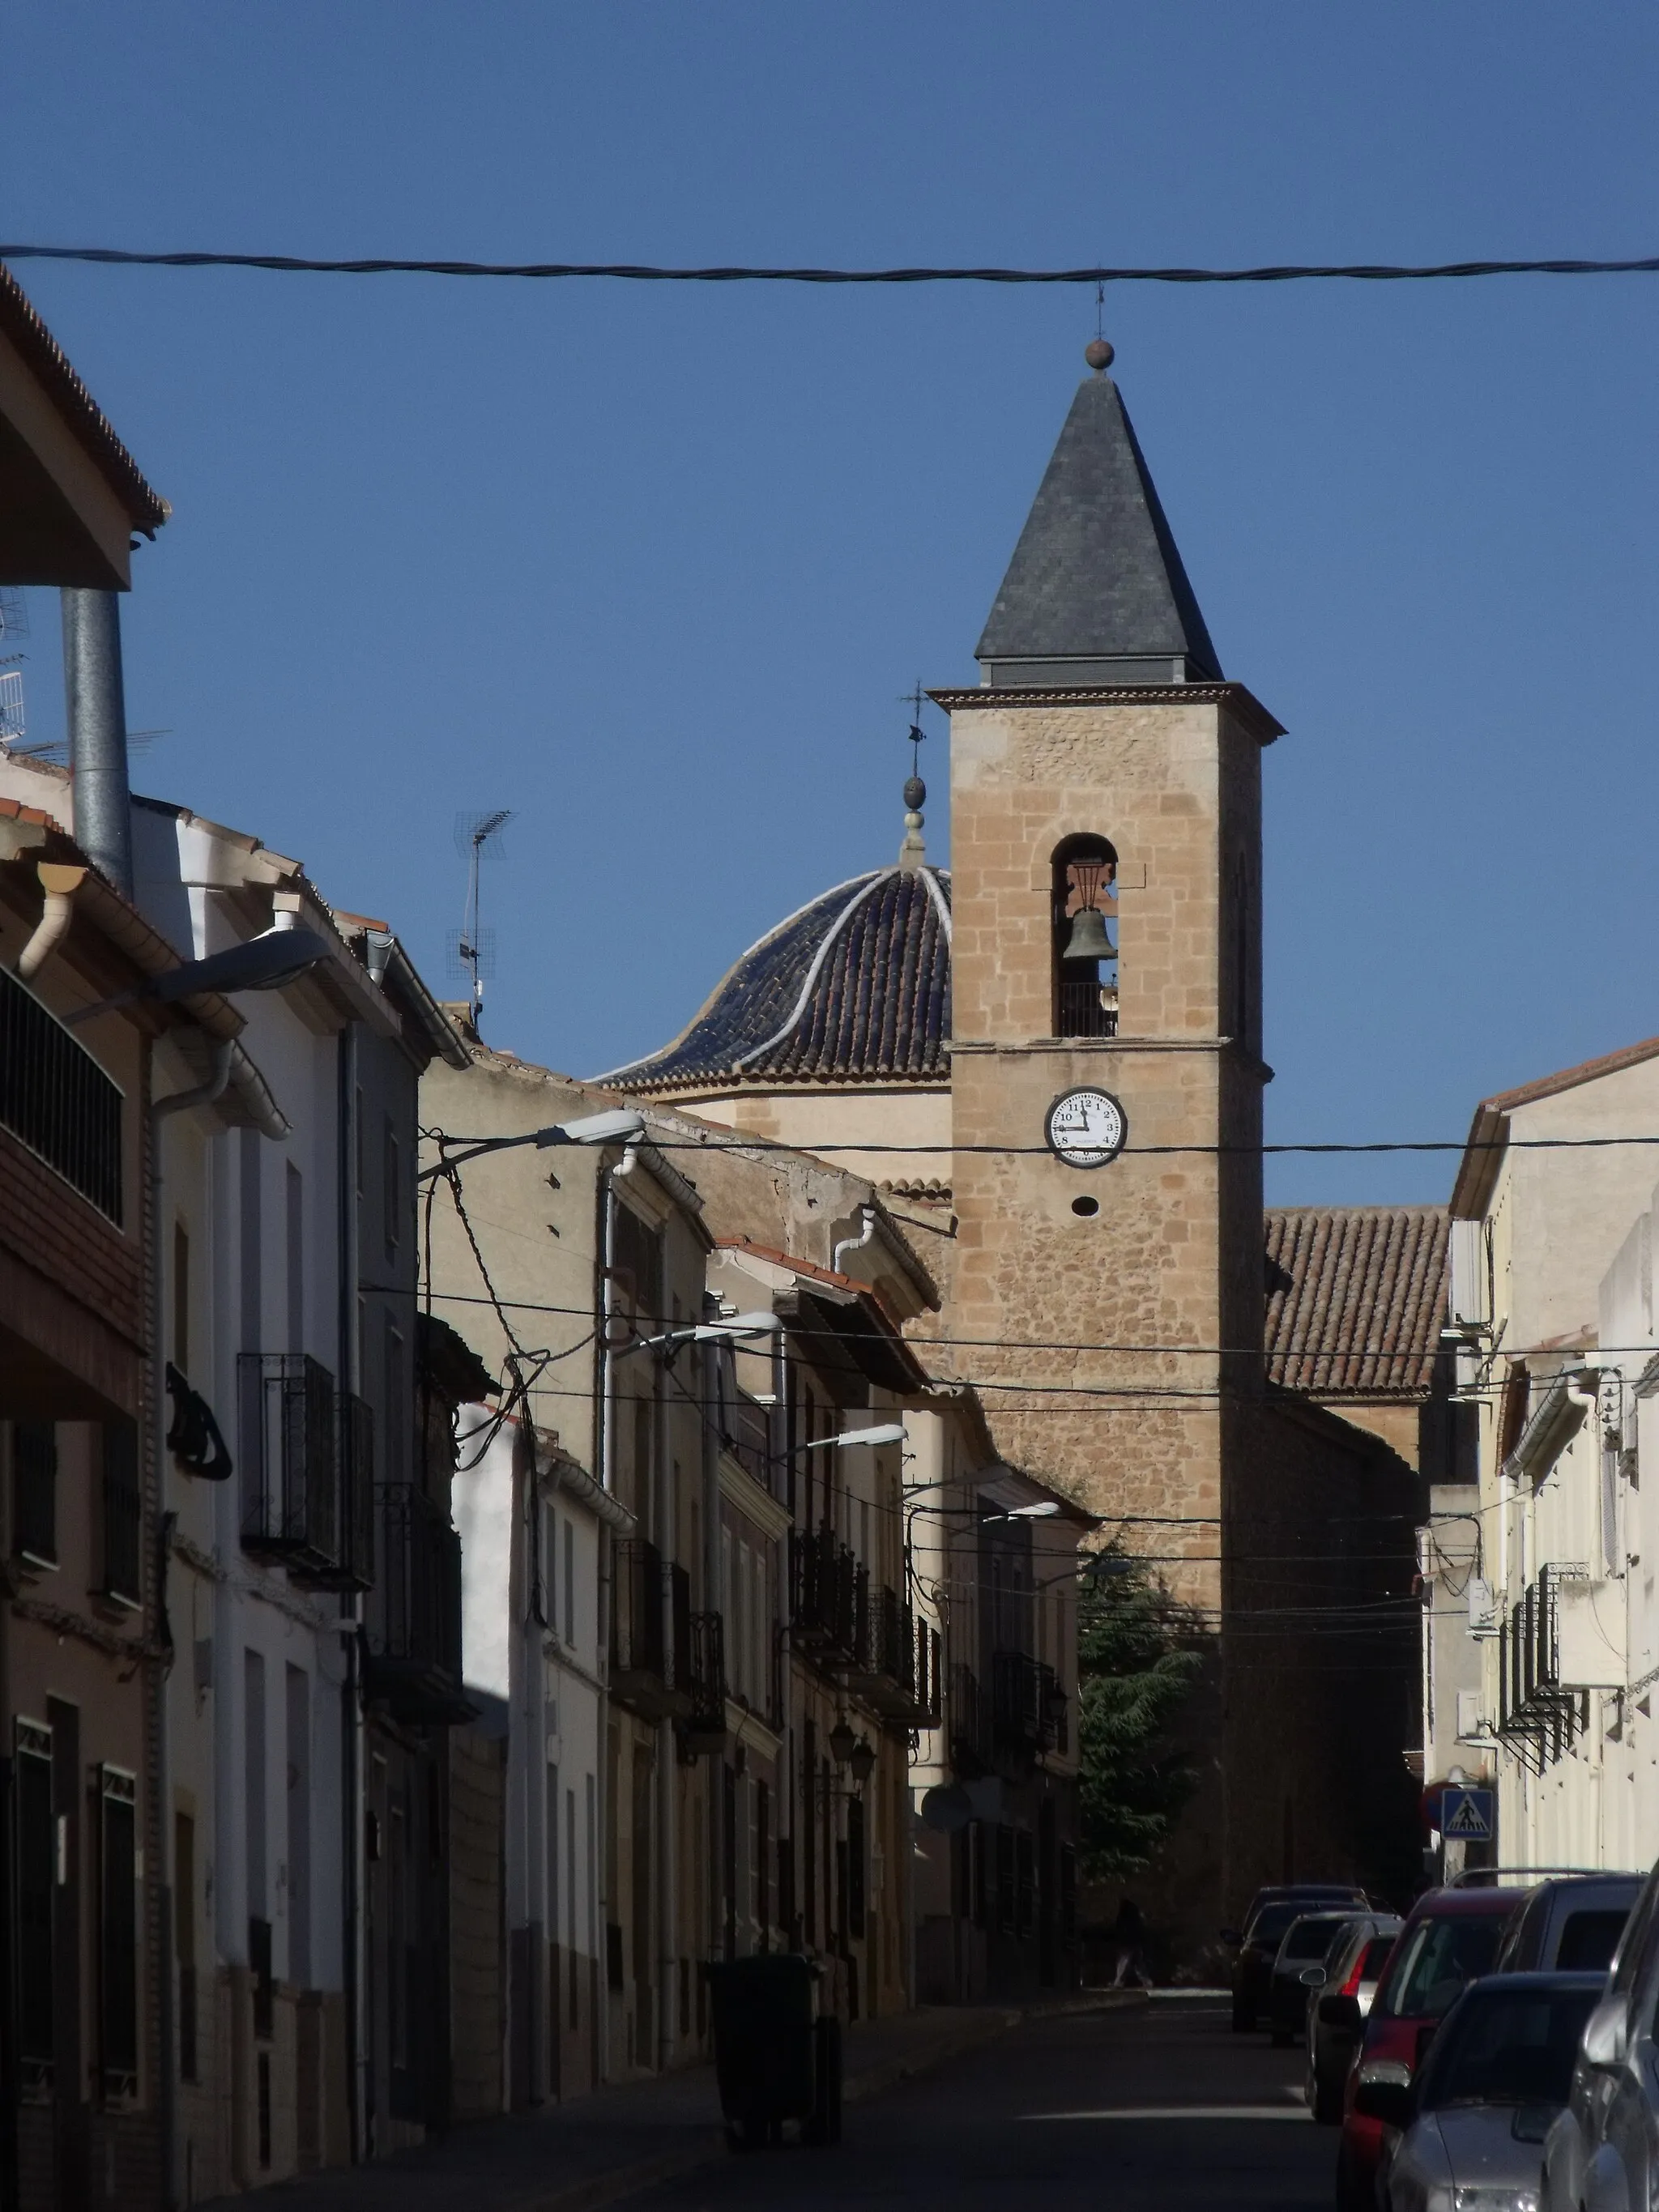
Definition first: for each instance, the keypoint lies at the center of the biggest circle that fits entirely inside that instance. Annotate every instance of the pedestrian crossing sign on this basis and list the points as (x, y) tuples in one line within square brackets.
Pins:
[(1466, 1816)]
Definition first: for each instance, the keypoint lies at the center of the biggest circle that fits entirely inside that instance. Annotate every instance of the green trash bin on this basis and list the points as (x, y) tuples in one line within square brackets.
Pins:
[(770, 2051)]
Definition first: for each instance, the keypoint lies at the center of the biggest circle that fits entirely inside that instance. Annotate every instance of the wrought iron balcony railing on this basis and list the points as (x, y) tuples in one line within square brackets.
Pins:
[(1538, 1716), (414, 1628), (651, 1642), (1086, 1008), (704, 1727), (308, 1468), (290, 1459), (898, 1669), (57, 1099), (828, 1597), (1029, 1705)]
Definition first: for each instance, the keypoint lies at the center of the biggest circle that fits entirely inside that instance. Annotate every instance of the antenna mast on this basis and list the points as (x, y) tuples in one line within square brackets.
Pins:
[(475, 945)]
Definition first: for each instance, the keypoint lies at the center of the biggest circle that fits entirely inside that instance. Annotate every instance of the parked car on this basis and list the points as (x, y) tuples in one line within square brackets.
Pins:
[(1305, 1943), (1271, 1913), (1602, 2152), (1339, 1995), (1570, 1925), (1472, 2125), (1449, 1939)]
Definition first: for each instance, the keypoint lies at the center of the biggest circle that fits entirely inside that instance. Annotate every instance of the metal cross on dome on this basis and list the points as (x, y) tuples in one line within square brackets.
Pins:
[(918, 735)]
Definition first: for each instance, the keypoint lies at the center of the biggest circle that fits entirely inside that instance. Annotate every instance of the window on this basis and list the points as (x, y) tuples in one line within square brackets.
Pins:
[(118, 1930), (122, 1505), (1085, 919), (35, 1491)]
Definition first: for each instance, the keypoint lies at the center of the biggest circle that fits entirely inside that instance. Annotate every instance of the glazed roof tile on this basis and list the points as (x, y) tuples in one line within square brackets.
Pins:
[(854, 987), (1356, 1297)]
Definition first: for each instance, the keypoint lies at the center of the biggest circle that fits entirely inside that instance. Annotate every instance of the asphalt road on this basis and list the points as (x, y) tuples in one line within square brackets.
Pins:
[(1161, 2108)]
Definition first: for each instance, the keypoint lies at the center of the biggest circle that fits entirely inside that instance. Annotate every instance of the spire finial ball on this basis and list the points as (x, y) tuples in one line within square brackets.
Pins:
[(1099, 355)]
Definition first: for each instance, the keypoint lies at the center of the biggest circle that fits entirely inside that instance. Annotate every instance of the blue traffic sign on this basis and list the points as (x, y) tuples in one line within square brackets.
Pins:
[(1466, 1816)]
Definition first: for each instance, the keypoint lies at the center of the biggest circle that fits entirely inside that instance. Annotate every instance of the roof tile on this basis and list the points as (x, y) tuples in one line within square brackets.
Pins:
[(1356, 1299)]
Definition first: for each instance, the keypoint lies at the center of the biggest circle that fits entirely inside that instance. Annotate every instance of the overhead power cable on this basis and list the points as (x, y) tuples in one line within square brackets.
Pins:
[(635, 273), (740, 1143)]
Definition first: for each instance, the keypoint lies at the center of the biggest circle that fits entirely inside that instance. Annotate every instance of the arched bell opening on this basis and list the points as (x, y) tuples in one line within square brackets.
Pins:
[(1086, 966)]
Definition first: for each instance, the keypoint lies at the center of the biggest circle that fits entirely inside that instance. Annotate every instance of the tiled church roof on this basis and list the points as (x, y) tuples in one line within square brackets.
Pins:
[(853, 988), (1356, 1297)]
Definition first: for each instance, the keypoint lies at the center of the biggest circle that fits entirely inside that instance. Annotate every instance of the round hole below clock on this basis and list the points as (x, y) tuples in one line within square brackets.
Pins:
[(1088, 1207)]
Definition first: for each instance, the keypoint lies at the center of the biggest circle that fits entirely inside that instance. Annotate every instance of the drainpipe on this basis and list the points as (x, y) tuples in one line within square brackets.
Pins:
[(353, 1820), (97, 715), (665, 1514), (161, 1109), (855, 1243), (607, 1482), (60, 885)]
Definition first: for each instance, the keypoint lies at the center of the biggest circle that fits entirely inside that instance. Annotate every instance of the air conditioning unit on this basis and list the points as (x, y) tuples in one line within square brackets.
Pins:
[(1483, 1607)]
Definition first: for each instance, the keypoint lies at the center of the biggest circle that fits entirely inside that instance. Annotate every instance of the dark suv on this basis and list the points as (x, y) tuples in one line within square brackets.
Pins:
[(1271, 1911)]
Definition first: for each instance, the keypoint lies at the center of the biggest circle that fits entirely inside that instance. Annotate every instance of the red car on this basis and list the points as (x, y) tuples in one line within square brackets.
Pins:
[(1449, 1939)]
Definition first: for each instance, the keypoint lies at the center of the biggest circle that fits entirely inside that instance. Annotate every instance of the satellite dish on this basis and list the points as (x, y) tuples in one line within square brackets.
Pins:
[(946, 1807)]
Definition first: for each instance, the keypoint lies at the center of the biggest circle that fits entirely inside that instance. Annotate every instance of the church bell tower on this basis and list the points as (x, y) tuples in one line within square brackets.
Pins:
[(1106, 1073)]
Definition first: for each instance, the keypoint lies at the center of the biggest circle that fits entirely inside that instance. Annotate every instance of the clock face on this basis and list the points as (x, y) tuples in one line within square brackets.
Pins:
[(1086, 1128)]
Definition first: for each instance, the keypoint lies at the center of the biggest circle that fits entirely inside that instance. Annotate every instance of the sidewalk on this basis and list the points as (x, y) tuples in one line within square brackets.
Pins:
[(600, 2149)]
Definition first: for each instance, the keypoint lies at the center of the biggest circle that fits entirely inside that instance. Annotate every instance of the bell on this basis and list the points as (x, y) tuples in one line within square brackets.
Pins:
[(1088, 940)]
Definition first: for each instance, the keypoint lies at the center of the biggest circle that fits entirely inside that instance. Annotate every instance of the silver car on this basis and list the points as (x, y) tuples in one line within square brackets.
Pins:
[(1470, 2129), (1570, 1925), (1602, 2153)]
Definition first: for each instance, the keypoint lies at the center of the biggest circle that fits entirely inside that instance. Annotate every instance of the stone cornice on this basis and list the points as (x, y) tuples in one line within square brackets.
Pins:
[(1241, 703)]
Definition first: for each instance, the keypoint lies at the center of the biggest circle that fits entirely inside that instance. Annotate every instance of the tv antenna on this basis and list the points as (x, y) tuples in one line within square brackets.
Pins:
[(474, 945)]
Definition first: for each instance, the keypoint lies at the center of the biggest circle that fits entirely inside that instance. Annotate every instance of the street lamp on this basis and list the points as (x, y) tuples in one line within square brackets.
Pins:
[(617, 1124), (740, 1328), (889, 1432), (265, 962)]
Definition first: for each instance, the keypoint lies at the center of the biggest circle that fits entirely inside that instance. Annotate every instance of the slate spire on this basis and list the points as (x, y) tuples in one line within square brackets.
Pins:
[(1095, 593)]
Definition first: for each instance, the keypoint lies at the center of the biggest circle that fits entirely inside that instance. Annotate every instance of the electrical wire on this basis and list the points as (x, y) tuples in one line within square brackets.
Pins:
[(736, 273), (751, 1144)]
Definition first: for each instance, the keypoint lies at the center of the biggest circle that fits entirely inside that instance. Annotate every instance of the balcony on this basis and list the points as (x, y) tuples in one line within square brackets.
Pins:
[(413, 1665), (704, 1725), (1029, 1707), (1539, 1714), (307, 1469), (651, 1635), (829, 1599), (58, 1100), (897, 1671)]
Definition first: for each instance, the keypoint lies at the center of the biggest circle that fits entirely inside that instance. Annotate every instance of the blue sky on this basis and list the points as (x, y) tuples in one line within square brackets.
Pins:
[(652, 566)]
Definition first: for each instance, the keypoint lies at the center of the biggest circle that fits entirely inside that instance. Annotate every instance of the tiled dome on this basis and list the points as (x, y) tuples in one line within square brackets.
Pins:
[(853, 988)]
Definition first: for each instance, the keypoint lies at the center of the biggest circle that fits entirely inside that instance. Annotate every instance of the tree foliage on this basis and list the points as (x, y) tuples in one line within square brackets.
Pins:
[(1138, 1657)]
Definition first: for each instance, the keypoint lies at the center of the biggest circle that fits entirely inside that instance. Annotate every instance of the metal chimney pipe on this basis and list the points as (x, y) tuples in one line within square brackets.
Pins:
[(97, 715)]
